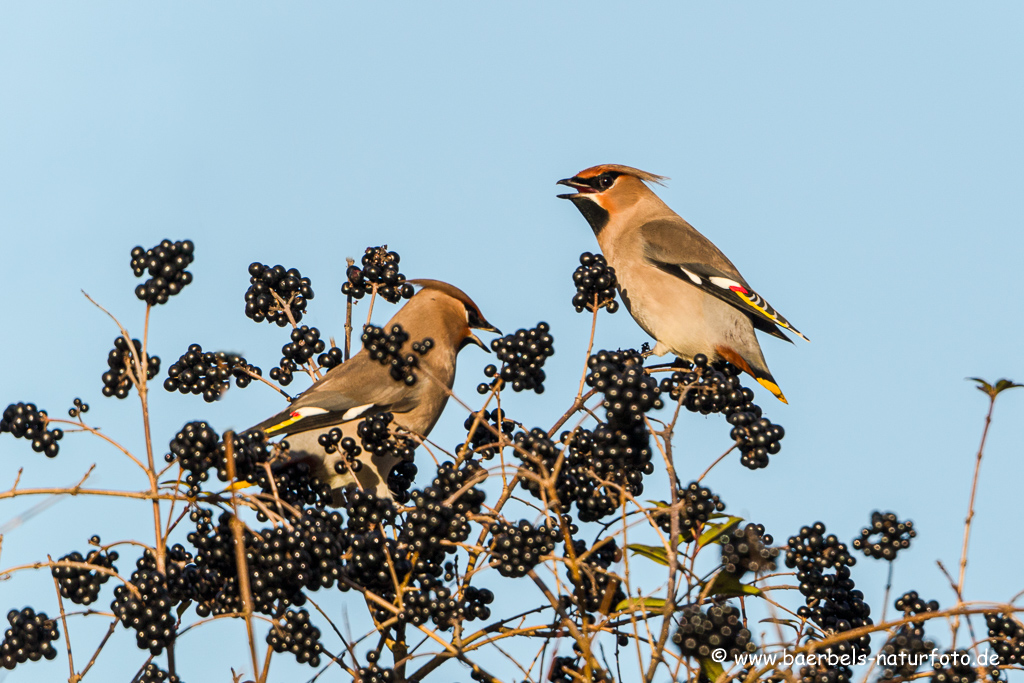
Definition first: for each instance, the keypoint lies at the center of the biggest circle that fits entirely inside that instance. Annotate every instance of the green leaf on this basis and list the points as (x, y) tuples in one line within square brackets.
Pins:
[(725, 583), (658, 503), (994, 390), (710, 668), (712, 532), (640, 604), (183, 607), (1004, 384), (651, 552)]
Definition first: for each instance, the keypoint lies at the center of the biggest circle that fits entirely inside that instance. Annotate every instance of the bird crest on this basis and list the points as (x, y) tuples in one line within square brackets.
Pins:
[(594, 171)]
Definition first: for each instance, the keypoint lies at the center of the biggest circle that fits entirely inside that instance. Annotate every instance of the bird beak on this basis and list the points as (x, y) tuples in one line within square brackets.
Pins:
[(485, 326), (577, 184), (473, 339)]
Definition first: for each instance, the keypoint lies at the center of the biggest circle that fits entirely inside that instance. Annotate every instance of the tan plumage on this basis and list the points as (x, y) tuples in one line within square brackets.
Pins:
[(678, 286), (362, 387)]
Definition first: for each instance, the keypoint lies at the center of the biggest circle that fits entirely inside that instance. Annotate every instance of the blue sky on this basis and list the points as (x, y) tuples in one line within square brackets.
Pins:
[(862, 166)]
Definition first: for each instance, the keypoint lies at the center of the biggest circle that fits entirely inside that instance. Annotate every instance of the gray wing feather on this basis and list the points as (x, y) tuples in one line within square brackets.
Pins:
[(358, 382), (675, 247), (676, 242)]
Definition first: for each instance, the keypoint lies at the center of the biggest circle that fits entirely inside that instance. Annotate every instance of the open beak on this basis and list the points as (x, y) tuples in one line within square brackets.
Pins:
[(577, 184), (473, 339), (485, 326)]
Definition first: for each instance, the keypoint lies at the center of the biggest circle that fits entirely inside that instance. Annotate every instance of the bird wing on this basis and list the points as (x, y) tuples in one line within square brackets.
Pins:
[(358, 388), (678, 249)]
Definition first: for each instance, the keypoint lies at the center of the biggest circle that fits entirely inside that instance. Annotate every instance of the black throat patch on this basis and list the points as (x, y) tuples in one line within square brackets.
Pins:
[(592, 211)]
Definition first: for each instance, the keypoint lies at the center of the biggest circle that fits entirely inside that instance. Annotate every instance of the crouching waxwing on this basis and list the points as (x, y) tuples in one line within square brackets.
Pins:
[(675, 283), (362, 387)]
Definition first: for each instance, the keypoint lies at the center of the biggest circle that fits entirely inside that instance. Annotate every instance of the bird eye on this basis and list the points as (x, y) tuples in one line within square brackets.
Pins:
[(605, 181)]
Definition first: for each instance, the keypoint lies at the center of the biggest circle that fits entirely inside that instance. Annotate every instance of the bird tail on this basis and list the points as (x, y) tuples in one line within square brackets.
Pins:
[(760, 373), (768, 382)]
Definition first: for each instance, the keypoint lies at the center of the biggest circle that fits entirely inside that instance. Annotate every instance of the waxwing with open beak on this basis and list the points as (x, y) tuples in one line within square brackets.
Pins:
[(678, 286)]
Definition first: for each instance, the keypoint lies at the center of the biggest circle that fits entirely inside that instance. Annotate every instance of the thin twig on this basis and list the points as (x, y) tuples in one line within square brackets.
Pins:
[(241, 565), (110, 632), (348, 316), (970, 515), (72, 676)]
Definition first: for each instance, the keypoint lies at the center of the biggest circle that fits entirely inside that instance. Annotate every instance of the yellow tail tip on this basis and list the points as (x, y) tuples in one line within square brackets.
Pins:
[(772, 387)]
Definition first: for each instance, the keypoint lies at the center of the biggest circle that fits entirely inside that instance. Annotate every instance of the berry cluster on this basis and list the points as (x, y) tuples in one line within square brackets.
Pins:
[(366, 512), (746, 550), (250, 450), (811, 549), (439, 518), (594, 470), (431, 530), (1006, 638), (832, 602), (79, 408), (283, 561), (207, 373), (28, 638), (954, 666), (166, 264), (400, 480), (474, 603), (79, 585), (336, 439), (522, 356), (481, 441), (386, 349), (295, 484), (374, 673), (379, 440), (25, 421), (297, 635), (595, 284), (180, 568), (720, 628), (518, 548), (911, 603), (821, 673), (154, 674), (908, 644), (274, 292), (379, 274), (145, 605), (369, 565), (629, 392), (541, 460), (892, 536), (432, 600), (705, 388), (333, 357), (305, 343), (596, 589), (698, 504), (117, 380), (196, 448), (565, 670), (568, 670), (604, 465)]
